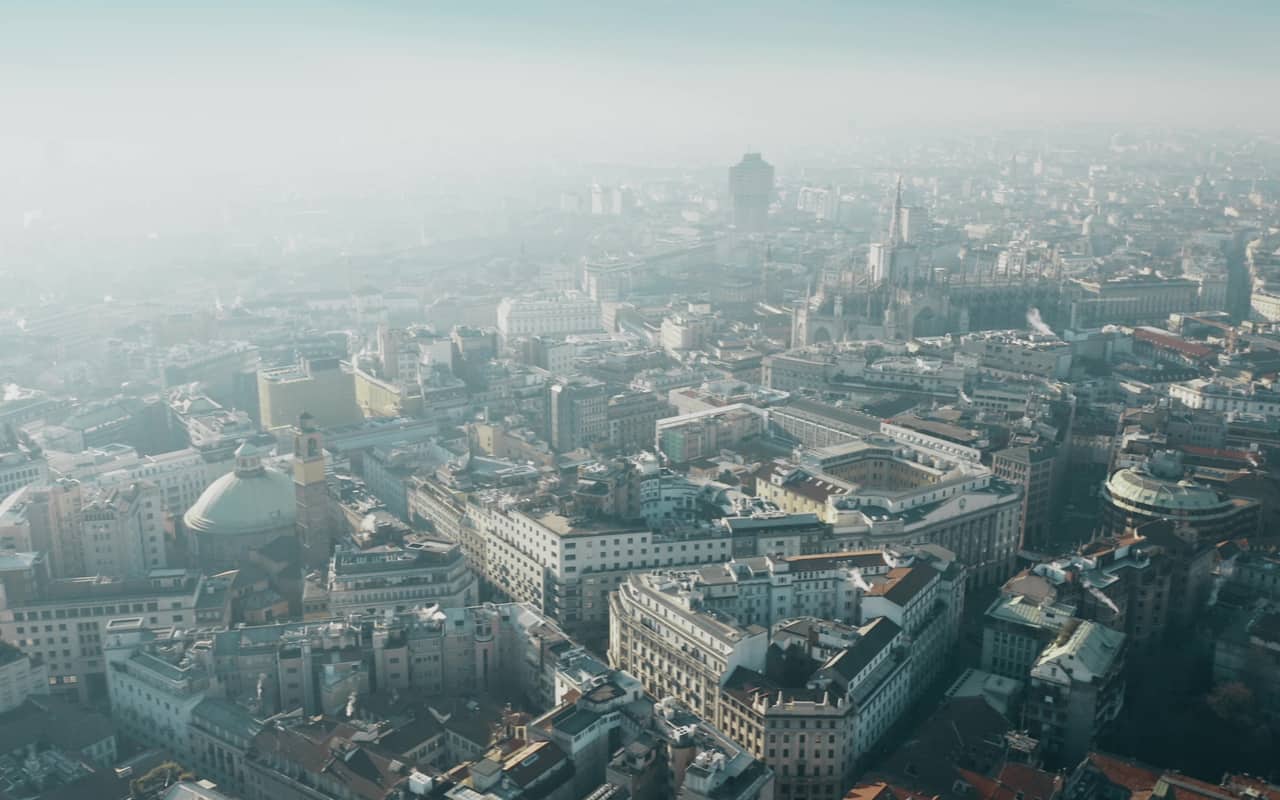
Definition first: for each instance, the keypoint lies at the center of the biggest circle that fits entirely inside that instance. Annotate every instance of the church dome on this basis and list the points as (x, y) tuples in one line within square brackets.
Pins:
[(254, 499)]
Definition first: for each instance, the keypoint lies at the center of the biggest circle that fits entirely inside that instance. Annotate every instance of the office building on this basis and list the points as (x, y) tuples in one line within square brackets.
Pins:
[(23, 576), (65, 623), (751, 192), (1032, 469), (323, 387), (815, 424), (688, 437), (631, 418), (578, 414), (1159, 489), (391, 577), (566, 566), (180, 475), (47, 518), (547, 315), (810, 705), (21, 466)]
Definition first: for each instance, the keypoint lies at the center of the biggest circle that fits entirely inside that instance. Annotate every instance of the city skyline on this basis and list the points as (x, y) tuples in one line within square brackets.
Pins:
[(664, 401)]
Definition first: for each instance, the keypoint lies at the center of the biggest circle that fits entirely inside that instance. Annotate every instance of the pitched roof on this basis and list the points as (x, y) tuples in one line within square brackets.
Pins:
[(901, 585), (1132, 775), (881, 790), (326, 747), (875, 636), (964, 730), (1032, 783), (1088, 652)]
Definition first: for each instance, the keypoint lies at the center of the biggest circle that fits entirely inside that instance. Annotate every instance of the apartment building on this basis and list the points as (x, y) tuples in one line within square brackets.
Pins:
[(631, 418), (394, 577), (21, 676), (65, 622), (810, 704), (123, 531), (1076, 689), (21, 466), (547, 315), (566, 566), (181, 474), (1016, 630)]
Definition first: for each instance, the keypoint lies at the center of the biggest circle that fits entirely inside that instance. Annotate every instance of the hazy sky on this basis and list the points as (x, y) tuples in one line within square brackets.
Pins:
[(224, 85)]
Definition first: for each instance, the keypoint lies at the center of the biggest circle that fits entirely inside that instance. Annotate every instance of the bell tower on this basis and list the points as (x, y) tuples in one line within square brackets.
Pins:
[(314, 517)]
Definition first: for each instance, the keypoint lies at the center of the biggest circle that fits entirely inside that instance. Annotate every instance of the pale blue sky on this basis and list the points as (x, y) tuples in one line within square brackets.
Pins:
[(238, 82)]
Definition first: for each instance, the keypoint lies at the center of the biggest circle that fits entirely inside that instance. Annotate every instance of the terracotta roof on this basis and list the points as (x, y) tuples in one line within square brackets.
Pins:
[(1171, 342), (963, 730), (985, 788), (881, 790), (1015, 782), (325, 747), (1242, 456), (1034, 784), (1132, 775), (902, 584)]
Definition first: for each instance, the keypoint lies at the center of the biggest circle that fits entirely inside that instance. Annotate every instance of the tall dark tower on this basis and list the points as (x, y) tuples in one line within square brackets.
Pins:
[(315, 519), (751, 192)]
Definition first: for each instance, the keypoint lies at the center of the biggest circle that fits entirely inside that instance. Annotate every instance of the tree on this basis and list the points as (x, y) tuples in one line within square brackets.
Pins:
[(1233, 703)]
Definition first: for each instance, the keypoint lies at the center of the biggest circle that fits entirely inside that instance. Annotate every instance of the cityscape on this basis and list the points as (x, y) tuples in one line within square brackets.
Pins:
[(402, 402)]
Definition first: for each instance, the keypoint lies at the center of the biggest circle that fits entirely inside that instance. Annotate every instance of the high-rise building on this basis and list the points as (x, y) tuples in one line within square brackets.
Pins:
[(1032, 468), (750, 192), (577, 414)]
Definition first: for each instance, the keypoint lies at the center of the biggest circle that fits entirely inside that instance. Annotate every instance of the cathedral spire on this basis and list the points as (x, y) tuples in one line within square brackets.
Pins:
[(895, 228)]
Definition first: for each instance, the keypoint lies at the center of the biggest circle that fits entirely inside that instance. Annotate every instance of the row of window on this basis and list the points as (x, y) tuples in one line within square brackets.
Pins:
[(94, 611)]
